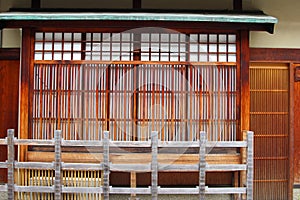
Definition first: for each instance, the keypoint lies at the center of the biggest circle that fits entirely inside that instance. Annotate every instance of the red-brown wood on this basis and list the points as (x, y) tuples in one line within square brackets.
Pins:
[(287, 56), (9, 54), (292, 133), (25, 94), (9, 89), (245, 87), (297, 132), (274, 55)]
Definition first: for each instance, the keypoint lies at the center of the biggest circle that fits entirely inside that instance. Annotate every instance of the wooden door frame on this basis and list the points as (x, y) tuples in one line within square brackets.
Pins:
[(289, 57)]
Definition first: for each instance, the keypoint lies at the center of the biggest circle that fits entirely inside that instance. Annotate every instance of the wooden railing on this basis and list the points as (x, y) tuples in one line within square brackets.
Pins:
[(58, 188)]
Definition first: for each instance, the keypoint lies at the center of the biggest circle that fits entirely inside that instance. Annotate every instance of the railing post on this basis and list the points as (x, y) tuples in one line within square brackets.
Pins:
[(250, 165), (10, 164), (57, 165), (106, 165), (154, 165), (243, 174), (202, 165)]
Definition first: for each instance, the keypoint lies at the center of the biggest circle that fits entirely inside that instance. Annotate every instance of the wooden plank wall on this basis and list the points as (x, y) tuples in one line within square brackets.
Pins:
[(9, 89)]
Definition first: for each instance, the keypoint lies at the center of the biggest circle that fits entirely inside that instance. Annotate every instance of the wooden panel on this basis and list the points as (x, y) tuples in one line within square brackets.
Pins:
[(9, 88), (297, 132), (274, 55), (269, 119)]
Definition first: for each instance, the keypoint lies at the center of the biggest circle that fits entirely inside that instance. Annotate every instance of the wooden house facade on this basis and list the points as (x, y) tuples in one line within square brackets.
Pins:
[(131, 73)]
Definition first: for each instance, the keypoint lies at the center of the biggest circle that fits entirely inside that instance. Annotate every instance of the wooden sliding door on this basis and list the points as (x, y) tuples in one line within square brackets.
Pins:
[(269, 86)]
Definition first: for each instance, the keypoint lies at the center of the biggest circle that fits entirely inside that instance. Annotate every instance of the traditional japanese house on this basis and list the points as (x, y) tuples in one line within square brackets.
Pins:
[(130, 72)]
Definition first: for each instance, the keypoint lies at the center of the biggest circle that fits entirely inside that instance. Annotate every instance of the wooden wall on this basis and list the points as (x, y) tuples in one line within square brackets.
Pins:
[(9, 89)]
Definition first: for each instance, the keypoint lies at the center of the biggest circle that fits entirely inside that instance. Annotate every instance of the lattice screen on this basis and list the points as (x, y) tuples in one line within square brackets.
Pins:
[(108, 89)]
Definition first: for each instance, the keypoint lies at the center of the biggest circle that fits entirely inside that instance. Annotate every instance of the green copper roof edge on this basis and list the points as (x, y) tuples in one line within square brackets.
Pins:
[(238, 18)]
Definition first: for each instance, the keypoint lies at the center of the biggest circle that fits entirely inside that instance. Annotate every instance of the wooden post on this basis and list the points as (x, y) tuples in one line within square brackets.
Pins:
[(106, 165), (243, 174), (202, 165), (57, 165), (154, 165), (133, 184), (250, 165), (10, 164)]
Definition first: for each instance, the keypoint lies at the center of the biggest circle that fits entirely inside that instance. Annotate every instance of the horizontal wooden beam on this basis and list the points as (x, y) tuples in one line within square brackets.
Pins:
[(9, 54), (274, 54), (138, 158)]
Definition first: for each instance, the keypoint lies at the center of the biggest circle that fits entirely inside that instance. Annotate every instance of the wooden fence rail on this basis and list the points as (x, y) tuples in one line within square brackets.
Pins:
[(246, 191)]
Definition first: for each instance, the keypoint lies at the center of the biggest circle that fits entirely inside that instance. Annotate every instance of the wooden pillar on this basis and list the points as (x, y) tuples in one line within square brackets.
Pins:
[(244, 79), (26, 95)]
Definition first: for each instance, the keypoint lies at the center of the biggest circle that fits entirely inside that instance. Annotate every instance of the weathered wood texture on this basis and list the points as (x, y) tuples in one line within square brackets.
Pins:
[(58, 187), (9, 88)]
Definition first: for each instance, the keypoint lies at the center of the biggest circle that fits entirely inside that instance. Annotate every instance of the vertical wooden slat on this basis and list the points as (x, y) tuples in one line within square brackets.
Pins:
[(10, 164), (133, 184), (57, 165), (202, 165), (106, 165), (154, 165), (250, 164)]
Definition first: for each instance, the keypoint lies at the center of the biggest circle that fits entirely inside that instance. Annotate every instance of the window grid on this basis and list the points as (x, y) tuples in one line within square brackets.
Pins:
[(190, 86), (150, 46)]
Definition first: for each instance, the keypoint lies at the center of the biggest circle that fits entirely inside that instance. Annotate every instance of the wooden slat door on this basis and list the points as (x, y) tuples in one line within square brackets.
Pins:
[(269, 119)]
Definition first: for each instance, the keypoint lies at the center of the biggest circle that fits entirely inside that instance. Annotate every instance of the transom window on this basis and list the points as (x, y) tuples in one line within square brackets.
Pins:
[(131, 83)]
